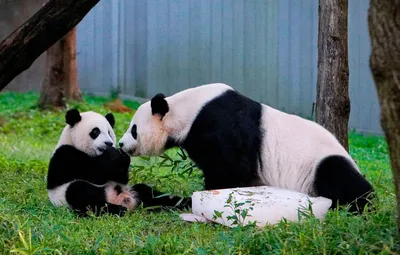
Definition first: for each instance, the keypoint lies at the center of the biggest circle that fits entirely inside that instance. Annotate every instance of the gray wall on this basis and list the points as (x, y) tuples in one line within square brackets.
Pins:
[(266, 49)]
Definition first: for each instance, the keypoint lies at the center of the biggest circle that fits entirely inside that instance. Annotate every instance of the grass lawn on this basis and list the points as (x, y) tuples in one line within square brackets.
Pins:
[(28, 222)]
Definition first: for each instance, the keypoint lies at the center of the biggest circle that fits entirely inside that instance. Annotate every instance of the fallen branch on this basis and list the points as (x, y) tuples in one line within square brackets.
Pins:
[(54, 20)]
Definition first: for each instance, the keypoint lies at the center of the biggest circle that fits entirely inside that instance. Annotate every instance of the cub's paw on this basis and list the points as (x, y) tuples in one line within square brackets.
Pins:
[(127, 198)]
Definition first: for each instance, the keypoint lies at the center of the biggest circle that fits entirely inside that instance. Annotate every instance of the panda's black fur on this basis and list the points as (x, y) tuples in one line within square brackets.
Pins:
[(225, 134), (225, 141), (89, 178)]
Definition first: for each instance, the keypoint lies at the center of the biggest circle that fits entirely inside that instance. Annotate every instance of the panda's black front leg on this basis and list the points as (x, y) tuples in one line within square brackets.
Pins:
[(84, 197), (151, 197)]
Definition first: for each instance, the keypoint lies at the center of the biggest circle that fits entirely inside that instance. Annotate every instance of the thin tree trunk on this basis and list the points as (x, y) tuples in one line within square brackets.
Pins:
[(333, 102), (53, 85), (73, 92), (53, 21), (384, 30), (60, 81)]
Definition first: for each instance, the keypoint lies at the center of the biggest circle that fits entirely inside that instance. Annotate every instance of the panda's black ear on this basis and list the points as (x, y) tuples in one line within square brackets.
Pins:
[(72, 117), (111, 119), (159, 105)]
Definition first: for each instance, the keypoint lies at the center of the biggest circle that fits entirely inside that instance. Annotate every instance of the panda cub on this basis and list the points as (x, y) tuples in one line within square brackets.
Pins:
[(87, 173), (238, 142)]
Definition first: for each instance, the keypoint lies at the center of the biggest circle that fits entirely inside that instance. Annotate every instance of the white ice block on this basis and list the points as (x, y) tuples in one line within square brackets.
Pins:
[(269, 205)]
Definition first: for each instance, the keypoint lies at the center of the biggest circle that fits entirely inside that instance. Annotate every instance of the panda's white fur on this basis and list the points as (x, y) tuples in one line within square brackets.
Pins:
[(298, 150), (291, 150), (78, 137), (57, 195)]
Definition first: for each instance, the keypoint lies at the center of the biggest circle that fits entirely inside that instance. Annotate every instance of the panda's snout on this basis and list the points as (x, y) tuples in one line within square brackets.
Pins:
[(108, 144), (129, 151), (127, 144)]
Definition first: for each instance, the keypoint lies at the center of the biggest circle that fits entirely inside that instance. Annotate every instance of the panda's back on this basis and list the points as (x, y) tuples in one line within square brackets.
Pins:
[(293, 147)]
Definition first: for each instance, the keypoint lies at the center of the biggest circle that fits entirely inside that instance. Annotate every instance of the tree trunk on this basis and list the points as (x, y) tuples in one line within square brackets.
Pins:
[(53, 21), (60, 81), (333, 102), (73, 92), (384, 30)]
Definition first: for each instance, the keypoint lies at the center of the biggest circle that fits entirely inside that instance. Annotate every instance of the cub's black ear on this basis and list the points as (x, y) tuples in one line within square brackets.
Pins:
[(111, 119), (72, 117), (159, 105)]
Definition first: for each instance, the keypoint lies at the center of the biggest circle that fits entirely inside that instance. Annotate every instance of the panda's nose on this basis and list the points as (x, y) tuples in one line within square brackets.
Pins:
[(108, 144), (121, 145)]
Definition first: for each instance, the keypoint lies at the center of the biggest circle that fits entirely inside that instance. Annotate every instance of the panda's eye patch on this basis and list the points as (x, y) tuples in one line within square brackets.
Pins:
[(133, 131), (94, 133)]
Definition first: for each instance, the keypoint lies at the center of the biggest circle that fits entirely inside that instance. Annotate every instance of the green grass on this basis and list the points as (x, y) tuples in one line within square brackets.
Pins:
[(28, 136)]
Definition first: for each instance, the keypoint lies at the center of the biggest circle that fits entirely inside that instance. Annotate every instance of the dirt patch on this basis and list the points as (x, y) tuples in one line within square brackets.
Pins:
[(2, 121), (117, 106)]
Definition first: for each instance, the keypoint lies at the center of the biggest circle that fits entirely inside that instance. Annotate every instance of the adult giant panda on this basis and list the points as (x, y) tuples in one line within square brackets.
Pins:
[(238, 142), (87, 173)]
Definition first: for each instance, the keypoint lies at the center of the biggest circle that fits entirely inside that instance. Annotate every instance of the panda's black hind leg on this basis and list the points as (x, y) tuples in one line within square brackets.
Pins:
[(336, 178), (150, 197), (84, 197)]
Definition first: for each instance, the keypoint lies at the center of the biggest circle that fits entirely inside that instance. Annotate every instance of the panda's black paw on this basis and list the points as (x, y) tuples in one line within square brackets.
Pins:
[(143, 190), (151, 197), (124, 159), (114, 159), (145, 193), (116, 210), (111, 153), (109, 157)]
